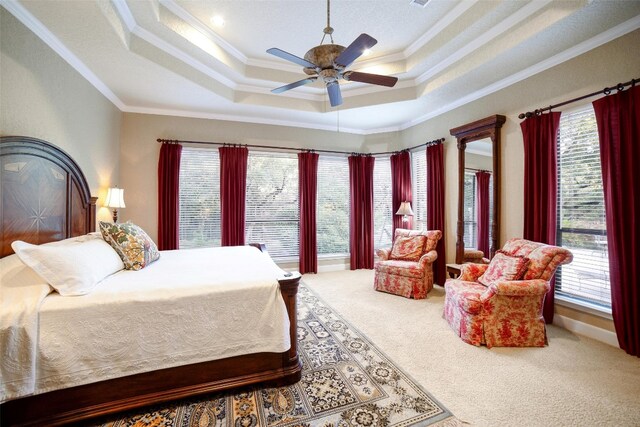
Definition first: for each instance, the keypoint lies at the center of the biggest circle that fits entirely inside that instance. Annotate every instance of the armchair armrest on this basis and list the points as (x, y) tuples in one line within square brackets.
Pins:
[(428, 258), (383, 254), (517, 288), (470, 272)]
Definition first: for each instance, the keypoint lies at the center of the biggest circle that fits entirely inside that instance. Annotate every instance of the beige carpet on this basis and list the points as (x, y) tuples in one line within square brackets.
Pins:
[(575, 381)]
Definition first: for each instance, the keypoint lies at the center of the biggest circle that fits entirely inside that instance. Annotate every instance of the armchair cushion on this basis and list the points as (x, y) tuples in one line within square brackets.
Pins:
[(408, 248), (504, 267), (400, 268)]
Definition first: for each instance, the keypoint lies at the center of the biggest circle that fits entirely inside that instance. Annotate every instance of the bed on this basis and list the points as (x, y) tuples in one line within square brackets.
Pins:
[(45, 198)]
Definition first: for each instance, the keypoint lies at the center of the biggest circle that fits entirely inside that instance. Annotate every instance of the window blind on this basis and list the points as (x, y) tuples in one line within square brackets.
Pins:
[(382, 214), (581, 216), (332, 214), (419, 189), (272, 213), (199, 198), (470, 220)]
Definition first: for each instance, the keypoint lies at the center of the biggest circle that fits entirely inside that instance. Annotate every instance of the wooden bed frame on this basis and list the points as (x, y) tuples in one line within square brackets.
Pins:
[(45, 197)]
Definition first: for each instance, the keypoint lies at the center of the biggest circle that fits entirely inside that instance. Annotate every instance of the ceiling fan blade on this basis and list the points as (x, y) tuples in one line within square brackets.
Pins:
[(375, 79), (290, 57), (294, 85), (355, 49), (335, 97)]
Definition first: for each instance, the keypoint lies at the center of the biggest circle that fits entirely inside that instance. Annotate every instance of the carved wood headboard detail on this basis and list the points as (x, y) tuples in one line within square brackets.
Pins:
[(44, 195)]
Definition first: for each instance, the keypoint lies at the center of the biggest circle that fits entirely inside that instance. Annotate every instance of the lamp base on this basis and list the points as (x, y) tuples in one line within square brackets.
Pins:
[(115, 216)]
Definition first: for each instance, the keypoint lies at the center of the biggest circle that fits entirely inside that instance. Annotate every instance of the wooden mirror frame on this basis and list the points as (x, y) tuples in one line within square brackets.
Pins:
[(488, 127)]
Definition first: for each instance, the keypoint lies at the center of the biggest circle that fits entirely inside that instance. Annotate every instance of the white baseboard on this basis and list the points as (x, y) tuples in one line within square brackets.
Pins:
[(587, 330), (323, 266)]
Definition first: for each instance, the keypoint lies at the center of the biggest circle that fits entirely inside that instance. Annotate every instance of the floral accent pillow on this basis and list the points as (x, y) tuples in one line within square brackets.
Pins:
[(408, 248), (133, 245), (504, 267)]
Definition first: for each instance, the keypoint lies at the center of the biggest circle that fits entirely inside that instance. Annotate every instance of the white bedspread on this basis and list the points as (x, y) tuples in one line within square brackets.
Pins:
[(188, 307), (21, 293)]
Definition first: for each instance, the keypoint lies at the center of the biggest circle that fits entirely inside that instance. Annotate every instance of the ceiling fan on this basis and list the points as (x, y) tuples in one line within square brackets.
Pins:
[(329, 62)]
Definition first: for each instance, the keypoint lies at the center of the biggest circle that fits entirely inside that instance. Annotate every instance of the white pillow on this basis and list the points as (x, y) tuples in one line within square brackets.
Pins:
[(73, 268)]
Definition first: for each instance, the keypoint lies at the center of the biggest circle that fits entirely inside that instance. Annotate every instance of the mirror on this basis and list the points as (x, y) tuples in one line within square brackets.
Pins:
[(478, 188)]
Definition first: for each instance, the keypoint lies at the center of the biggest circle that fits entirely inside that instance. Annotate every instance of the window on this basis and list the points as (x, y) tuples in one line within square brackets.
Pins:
[(272, 214), (419, 189), (332, 215), (382, 214), (470, 217), (581, 217), (199, 198)]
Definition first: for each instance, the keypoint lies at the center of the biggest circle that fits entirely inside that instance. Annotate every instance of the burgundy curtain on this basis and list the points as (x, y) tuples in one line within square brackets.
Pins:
[(540, 186), (361, 218), (400, 187), (618, 118), (168, 196), (233, 185), (435, 206), (307, 191), (482, 210)]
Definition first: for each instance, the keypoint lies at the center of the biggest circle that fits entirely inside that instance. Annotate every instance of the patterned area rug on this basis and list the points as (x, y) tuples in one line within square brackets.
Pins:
[(346, 382)]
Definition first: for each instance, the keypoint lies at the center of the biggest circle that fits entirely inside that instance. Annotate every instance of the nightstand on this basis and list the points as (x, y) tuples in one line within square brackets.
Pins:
[(453, 270)]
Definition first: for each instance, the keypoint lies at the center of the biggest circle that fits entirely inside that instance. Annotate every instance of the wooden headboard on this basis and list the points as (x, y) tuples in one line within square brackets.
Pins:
[(44, 195)]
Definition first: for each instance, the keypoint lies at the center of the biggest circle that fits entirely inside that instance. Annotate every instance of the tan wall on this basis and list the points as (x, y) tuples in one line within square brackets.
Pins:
[(42, 96)]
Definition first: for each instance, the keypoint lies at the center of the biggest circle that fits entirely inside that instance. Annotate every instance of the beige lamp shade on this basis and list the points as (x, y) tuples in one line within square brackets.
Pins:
[(405, 209), (115, 198), (115, 201)]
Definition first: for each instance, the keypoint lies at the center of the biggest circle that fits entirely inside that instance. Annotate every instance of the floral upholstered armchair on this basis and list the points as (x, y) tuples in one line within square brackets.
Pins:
[(475, 256), (500, 304), (406, 268)]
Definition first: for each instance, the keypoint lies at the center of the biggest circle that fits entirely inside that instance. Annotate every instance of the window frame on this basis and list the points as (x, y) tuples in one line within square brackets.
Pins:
[(567, 298), (333, 255), (215, 218), (295, 254)]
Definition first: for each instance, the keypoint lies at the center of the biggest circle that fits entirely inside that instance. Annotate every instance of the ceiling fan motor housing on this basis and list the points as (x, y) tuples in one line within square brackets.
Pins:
[(323, 56)]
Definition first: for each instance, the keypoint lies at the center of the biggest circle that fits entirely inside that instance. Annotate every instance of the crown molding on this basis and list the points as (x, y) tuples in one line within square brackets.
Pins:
[(448, 19), (38, 28), (276, 65), (242, 119), (579, 49), (125, 14), (485, 38)]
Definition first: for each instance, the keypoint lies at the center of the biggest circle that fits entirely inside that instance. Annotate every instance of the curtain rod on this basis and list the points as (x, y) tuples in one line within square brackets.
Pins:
[(606, 91), (178, 141), (477, 170)]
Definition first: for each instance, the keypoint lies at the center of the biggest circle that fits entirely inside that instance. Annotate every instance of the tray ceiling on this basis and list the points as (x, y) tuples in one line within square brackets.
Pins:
[(168, 57)]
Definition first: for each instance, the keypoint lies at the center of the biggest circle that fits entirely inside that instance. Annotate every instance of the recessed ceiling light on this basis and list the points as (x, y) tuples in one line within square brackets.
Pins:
[(218, 21), (366, 52)]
